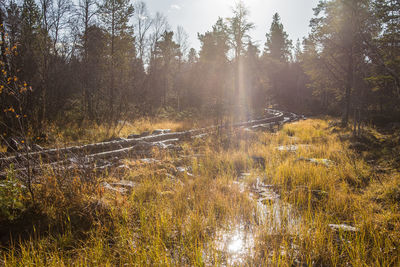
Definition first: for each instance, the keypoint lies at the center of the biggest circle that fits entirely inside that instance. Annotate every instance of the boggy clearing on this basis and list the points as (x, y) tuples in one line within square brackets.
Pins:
[(297, 196)]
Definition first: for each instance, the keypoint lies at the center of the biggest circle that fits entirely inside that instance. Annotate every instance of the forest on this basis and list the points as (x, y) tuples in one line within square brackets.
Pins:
[(103, 62), (120, 144)]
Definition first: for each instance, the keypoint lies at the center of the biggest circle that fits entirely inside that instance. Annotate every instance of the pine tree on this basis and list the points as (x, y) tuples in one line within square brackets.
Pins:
[(213, 62), (277, 53), (167, 51), (115, 15), (339, 31), (385, 51), (238, 29), (278, 46)]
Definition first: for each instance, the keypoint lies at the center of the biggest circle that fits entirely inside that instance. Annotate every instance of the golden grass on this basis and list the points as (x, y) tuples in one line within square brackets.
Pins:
[(173, 221), (89, 133)]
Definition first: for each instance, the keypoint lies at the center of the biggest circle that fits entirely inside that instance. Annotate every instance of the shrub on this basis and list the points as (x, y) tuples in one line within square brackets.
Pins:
[(12, 198)]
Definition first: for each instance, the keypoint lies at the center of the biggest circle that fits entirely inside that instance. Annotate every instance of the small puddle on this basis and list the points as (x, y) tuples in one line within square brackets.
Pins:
[(237, 244), (273, 213)]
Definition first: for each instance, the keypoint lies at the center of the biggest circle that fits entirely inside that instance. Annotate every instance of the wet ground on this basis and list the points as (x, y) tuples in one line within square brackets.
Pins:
[(238, 242)]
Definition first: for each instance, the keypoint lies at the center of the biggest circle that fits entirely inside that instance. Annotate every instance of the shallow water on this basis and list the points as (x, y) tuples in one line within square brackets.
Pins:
[(237, 243)]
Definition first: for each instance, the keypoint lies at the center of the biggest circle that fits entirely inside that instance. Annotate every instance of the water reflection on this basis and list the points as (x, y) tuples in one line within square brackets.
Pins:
[(237, 244)]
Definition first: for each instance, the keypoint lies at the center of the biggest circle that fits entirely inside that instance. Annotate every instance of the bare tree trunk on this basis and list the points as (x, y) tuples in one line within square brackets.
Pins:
[(349, 86), (111, 100), (6, 67)]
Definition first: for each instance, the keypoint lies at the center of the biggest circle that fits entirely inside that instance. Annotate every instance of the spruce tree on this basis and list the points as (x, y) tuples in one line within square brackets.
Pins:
[(278, 45)]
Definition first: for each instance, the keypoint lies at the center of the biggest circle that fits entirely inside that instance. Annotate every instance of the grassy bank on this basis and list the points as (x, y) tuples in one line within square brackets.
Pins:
[(175, 216), (69, 134)]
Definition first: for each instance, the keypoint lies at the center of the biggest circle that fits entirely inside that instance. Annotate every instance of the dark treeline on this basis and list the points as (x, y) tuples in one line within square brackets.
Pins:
[(109, 60)]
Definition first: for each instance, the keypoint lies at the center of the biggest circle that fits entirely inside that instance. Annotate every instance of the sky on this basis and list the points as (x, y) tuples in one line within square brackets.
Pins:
[(198, 16)]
